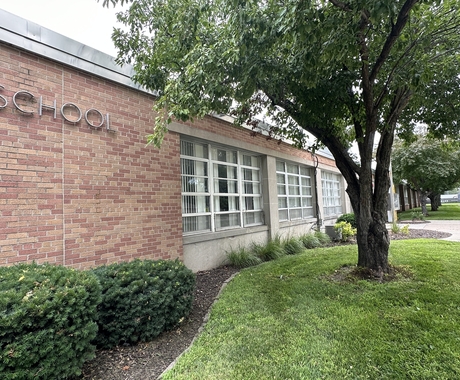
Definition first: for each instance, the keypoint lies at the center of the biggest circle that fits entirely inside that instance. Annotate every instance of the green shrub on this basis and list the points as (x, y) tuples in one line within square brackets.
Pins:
[(349, 218), (310, 241), (395, 228), (243, 258), (293, 246), (323, 238), (270, 251), (344, 230), (47, 321), (405, 230), (418, 215), (140, 299)]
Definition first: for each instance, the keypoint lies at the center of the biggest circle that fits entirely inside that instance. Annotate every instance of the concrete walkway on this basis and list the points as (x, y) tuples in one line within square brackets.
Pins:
[(449, 226)]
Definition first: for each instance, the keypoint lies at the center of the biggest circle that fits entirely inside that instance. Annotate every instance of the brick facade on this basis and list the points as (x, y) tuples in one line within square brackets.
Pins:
[(75, 195), (78, 185)]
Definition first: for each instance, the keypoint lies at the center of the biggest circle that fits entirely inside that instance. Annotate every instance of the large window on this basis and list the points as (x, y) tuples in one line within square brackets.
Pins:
[(294, 191), (220, 188), (332, 200)]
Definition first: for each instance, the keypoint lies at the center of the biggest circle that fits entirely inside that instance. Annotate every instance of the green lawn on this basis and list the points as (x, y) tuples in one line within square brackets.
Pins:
[(447, 211), (286, 319)]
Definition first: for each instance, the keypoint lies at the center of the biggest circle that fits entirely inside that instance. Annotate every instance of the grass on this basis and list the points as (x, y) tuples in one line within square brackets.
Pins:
[(447, 211), (285, 319), (257, 253)]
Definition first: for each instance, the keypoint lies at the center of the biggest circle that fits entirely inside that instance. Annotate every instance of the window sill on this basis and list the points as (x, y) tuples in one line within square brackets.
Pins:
[(296, 222), (207, 236)]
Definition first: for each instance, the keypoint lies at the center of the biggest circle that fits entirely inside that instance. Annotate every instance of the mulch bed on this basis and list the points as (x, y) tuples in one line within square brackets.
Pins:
[(147, 361), (420, 234)]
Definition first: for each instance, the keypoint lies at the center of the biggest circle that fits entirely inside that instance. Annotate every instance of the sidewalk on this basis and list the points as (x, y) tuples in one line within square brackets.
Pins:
[(449, 226)]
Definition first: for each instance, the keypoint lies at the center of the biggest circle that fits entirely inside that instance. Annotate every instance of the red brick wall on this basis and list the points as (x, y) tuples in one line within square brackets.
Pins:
[(78, 196)]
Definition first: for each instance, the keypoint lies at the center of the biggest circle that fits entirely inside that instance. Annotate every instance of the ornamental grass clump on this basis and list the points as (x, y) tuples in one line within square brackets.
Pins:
[(267, 252), (323, 238), (310, 241), (47, 321), (141, 299), (418, 216), (243, 258), (293, 246)]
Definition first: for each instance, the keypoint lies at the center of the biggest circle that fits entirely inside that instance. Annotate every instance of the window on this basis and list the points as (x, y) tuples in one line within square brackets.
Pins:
[(294, 191), (332, 201), (220, 188)]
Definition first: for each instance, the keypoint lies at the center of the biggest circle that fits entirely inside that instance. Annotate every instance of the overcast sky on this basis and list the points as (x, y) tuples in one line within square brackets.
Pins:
[(85, 21)]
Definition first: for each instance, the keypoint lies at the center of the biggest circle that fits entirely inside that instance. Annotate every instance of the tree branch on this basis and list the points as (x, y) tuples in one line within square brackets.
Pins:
[(341, 5), (399, 102), (396, 30), (390, 75), (338, 150)]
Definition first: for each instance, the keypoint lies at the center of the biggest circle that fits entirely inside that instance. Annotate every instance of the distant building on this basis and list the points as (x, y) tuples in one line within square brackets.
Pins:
[(407, 198), (79, 187)]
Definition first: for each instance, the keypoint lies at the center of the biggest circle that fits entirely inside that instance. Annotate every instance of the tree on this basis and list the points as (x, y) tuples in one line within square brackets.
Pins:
[(429, 166), (342, 71)]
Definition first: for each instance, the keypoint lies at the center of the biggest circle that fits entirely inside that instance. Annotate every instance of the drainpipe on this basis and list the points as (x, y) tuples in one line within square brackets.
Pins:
[(319, 221)]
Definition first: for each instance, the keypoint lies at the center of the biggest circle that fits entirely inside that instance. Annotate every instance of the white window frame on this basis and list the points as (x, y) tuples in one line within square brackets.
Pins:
[(332, 193), (293, 204), (225, 184)]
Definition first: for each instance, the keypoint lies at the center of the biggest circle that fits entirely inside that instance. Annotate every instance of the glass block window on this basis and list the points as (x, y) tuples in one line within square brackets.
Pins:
[(294, 191), (332, 200), (220, 188)]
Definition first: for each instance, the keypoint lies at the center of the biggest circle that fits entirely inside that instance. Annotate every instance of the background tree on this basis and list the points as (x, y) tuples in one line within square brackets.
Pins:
[(341, 70), (429, 166)]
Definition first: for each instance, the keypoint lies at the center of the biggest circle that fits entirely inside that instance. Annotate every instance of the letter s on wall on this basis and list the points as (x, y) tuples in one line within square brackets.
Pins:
[(19, 93), (3, 99)]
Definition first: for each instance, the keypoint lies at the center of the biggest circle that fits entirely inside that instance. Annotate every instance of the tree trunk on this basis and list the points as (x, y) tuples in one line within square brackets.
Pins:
[(435, 201), (370, 201), (368, 188), (423, 198), (373, 243)]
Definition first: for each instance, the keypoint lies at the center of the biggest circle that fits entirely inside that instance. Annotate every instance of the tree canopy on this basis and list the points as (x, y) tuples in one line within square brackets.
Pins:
[(343, 71), (428, 166)]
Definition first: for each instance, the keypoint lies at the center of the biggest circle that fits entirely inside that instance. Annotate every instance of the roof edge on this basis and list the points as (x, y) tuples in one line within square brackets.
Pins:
[(34, 38)]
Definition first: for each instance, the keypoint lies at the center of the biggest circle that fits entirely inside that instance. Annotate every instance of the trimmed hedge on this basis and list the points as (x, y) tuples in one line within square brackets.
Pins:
[(140, 299), (47, 321)]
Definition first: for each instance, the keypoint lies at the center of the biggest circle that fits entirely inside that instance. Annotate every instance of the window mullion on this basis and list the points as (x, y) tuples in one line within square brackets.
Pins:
[(211, 188), (239, 187), (286, 182)]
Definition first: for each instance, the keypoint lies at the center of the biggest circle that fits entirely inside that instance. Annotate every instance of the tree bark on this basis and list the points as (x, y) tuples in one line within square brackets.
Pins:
[(423, 200), (373, 242), (369, 198), (435, 201)]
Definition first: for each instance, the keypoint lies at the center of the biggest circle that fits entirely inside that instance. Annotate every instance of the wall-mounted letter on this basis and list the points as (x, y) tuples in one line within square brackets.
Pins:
[(74, 106), (90, 123), (107, 125), (41, 106), (3, 99), (23, 94)]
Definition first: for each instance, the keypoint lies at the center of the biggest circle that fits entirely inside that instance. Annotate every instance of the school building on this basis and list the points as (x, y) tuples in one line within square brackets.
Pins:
[(80, 187)]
